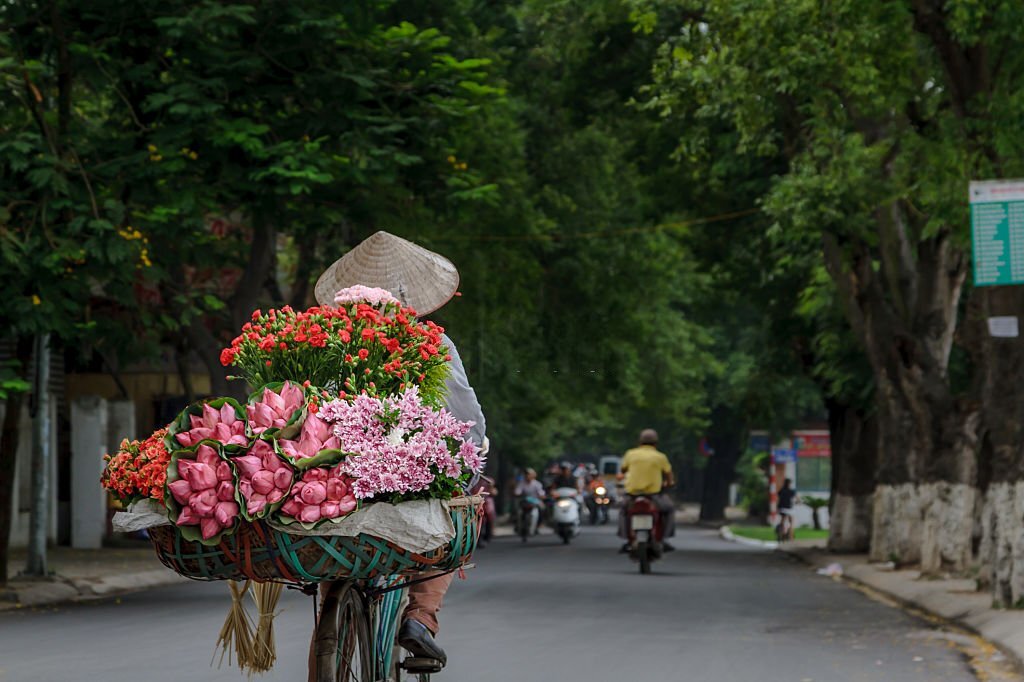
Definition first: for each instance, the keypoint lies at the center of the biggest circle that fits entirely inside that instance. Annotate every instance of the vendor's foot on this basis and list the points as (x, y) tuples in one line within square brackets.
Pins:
[(665, 547), (415, 638), (625, 549)]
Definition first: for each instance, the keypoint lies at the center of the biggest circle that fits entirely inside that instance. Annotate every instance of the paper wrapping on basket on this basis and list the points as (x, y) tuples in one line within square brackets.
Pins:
[(140, 516), (418, 526)]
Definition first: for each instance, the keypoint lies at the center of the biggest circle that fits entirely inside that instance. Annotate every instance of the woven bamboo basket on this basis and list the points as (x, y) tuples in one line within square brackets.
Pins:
[(263, 554)]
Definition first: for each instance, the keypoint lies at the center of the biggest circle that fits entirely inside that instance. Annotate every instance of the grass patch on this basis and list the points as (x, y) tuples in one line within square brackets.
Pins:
[(767, 533)]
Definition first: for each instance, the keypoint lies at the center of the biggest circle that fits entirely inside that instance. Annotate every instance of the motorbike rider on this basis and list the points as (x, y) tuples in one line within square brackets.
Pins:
[(532, 491), (648, 472), (563, 479), (594, 484)]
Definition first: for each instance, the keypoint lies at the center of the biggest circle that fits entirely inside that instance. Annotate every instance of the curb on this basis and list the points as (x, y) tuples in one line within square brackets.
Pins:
[(60, 590), (726, 534)]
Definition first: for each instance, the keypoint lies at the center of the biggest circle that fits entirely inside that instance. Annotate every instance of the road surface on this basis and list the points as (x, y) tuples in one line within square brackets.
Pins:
[(540, 611)]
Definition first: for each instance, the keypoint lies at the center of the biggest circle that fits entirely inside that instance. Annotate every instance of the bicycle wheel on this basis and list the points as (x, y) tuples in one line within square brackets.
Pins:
[(344, 650)]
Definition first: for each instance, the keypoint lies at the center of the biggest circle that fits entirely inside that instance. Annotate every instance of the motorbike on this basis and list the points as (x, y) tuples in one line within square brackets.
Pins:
[(529, 516), (565, 516), (598, 502), (485, 487), (643, 523)]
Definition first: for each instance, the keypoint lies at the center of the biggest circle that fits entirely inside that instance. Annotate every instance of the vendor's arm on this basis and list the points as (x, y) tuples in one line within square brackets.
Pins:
[(461, 399)]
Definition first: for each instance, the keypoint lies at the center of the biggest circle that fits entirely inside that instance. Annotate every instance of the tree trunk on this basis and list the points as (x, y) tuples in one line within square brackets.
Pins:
[(727, 436), (854, 435), (1000, 530), (924, 503), (9, 439), (902, 300)]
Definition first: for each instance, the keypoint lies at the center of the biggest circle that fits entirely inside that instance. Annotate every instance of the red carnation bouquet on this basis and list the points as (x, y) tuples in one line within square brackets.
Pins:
[(377, 348), (138, 470)]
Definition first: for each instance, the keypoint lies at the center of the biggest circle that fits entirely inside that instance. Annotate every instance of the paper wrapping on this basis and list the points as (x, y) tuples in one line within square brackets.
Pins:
[(143, 514), (418, 526)]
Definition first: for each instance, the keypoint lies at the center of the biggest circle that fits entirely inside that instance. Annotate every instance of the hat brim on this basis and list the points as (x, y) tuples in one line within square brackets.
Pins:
[(418, 277)]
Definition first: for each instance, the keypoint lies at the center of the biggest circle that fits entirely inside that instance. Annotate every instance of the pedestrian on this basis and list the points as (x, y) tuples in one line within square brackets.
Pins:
[(425, 281), (787, 499)]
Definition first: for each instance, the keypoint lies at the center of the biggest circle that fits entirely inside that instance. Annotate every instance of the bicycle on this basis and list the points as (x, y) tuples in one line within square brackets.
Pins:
[(356, 632)]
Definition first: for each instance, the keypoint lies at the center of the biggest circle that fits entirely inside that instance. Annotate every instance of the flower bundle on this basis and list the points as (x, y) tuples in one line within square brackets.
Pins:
[(276, 409), (221, 420), (370, 342), (264, 479), (400, 448), (202, 484), (138, 470), (316, 436), (320, 494)]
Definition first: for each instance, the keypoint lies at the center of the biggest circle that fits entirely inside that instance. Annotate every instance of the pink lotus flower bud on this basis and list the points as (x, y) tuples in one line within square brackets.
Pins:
[(185, 438), (332, 443), (317, 428), (224, 472), (225, 491), (207, 455), (282, 477), (245, 487), (248, 465), (200, 476), (209, 527), (222, 433), (274, 495), (212, 416), (261, 449), (181, 490), (263, 482), (187, 517), (225, 513), (255, 506), (330, 510), (335, 489), (273, 400), (271, 462), (202, 503), (291, 507), (310, 514), (315, 475), (228, 414), (292, 398), (314, 493), (347, 505)]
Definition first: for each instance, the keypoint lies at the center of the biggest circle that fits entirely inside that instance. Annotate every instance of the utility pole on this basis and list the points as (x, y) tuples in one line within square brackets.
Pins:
[(41, 432)]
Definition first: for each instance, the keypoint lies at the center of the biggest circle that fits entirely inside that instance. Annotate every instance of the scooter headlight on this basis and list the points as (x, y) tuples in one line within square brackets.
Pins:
[(564, 504), (600, 490)]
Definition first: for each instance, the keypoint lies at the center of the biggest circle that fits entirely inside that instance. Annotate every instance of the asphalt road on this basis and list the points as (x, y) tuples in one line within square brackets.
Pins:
[(540, 611)]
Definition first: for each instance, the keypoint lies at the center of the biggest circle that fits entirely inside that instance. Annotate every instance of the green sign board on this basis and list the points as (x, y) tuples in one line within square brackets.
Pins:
[(997, 231)]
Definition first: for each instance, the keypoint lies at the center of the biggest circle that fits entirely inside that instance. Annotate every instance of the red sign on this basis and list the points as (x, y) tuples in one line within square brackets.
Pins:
[(812, 444)]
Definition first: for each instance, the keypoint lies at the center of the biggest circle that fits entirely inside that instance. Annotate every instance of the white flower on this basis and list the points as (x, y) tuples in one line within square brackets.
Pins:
[(396, 437)]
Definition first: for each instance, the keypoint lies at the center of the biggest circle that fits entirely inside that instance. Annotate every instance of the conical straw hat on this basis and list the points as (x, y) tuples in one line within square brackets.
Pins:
[(419, 278)]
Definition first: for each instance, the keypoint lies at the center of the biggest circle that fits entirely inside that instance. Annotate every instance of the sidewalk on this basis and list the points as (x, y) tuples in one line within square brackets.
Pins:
[(952, 599), (79, 575)]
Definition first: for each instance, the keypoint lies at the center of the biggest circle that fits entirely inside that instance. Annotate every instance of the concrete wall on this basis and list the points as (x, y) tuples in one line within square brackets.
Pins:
[(22, 502)]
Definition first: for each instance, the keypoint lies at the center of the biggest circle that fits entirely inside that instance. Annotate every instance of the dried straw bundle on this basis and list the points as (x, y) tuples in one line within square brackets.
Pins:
[(236, 636)]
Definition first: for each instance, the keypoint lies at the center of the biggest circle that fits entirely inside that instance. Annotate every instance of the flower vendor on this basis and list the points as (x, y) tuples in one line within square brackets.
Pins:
[(423, 280)]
